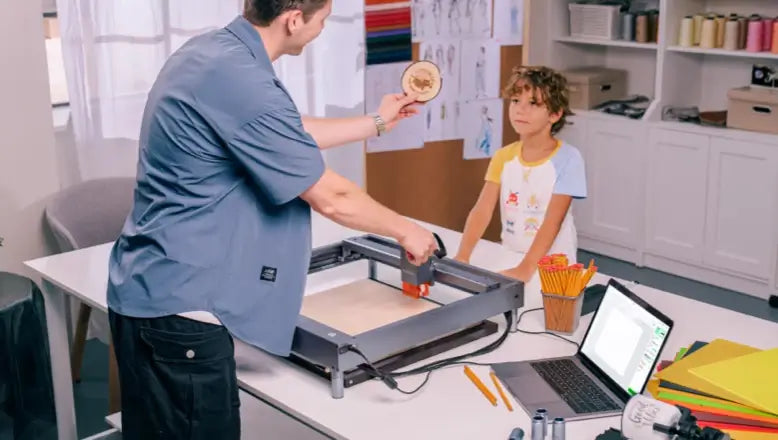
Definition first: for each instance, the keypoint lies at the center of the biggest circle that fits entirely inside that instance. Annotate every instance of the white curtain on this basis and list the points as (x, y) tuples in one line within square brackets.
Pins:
[(114, 49)]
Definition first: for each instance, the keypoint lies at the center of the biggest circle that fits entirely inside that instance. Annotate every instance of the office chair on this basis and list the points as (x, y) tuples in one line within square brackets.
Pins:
[(83, 215)]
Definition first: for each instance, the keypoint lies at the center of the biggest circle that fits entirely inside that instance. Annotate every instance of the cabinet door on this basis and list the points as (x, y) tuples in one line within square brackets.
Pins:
[(676, 194), (741, 220), (575, 135), (616, 169)]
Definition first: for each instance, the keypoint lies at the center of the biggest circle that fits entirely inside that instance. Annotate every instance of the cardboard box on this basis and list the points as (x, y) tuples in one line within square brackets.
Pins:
[(592, 86), (754, 109)]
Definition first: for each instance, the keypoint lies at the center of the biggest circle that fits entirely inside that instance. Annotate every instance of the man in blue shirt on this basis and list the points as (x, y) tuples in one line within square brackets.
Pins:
[(228, 172)]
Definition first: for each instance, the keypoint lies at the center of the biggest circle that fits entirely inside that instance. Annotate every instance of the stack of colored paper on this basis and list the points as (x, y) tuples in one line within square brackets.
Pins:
[(728, 386)]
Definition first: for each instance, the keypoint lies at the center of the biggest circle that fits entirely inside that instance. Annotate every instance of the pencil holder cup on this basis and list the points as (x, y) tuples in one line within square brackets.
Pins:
[(561, 312)]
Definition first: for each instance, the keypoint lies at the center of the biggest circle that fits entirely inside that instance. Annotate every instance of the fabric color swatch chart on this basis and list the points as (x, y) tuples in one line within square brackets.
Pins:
[(388, 31)]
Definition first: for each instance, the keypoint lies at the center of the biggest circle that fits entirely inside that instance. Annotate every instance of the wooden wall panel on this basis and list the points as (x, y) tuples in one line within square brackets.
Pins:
[(435, 184)]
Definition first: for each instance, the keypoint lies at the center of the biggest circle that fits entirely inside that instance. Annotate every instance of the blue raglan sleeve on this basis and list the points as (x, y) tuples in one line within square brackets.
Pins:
[(571, 173)]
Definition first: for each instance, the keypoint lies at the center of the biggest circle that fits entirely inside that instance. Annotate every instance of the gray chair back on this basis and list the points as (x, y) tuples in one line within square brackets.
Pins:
[(90, 213)]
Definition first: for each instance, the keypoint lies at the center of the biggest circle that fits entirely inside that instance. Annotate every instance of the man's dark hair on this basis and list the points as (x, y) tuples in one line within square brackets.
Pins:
[(263, 12)]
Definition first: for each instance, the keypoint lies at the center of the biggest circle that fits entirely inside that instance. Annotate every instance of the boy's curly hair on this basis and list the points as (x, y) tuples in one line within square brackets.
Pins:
[(550, 84)]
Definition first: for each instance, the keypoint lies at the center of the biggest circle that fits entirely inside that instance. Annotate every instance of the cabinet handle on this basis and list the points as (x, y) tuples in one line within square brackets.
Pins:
[(760, 109), (605, 87)]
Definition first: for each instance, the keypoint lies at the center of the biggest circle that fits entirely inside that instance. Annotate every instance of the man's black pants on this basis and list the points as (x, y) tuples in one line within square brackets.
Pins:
[(177, 378)]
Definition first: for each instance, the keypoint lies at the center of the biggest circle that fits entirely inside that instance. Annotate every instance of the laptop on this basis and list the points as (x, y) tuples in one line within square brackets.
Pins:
[(616, 358)]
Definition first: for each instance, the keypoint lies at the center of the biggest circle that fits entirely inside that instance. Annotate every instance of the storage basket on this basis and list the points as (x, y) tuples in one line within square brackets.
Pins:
[(594, 21)]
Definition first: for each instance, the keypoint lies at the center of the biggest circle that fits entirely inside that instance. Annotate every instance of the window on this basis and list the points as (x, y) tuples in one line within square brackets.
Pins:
[(57, 83)]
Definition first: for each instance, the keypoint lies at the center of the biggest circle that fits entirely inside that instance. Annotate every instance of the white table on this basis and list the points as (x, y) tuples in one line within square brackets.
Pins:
[(448, 407)]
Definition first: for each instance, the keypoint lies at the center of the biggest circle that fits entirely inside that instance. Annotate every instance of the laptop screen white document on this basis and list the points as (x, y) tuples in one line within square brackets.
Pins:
[(624, 340)]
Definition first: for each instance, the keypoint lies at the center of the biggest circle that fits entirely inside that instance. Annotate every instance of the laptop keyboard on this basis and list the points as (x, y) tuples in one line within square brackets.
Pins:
[(576, 388)]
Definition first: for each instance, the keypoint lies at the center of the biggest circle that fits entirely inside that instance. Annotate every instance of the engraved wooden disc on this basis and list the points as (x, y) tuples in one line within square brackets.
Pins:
[(422, 77)]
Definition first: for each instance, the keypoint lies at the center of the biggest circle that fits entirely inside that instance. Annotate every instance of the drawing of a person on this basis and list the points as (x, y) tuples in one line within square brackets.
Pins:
[(469, 14), (437, 11), (483, 8), (514, 19), (417, 21), (450, 56), (427, 53), (484, 139), (439, 57), (480, 73), (453, 18)]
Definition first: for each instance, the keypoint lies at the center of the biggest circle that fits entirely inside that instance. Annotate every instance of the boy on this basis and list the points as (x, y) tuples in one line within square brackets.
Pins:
[(534, 179)]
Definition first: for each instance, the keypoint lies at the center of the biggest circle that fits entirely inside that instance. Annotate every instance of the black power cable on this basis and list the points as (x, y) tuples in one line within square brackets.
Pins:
[(389, 377)]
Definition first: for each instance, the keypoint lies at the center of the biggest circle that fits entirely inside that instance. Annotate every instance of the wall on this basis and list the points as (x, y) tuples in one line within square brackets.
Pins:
[(28, 172)]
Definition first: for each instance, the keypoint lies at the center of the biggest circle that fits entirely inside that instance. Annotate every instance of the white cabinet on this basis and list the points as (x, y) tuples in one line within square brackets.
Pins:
[(676, 194), (741, 208), (614, 160)]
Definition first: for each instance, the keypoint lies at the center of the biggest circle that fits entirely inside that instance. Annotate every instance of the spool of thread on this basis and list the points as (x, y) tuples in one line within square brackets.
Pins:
[(686, 34), (653, 25), (641, 27), (755, 34), (732, 34), (767, 34), (558, 429), (721, 26), (775, 36), (628, 26), (708, 38), (698, 20), (742, 39)]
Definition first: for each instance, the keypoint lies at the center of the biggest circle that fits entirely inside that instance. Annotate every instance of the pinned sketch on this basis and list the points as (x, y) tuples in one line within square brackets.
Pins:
[(480, 72), (476, 21), (382, 79), (509, 22), (482, 125), (445, 53), (419, 18), (441, 120)]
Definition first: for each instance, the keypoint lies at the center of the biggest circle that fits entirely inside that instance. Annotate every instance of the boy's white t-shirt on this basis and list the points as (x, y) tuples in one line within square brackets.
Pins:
[(525, 192)]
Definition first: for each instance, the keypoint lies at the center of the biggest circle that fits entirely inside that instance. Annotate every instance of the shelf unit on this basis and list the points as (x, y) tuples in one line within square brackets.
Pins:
[(673, 196)]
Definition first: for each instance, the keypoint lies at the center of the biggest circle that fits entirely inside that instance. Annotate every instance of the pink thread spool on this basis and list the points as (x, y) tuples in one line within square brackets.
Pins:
[(767, 34), (775, 36), (755, 35)]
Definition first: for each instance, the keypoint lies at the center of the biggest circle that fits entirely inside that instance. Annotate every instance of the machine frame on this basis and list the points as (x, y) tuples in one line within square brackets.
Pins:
[(328, 351)]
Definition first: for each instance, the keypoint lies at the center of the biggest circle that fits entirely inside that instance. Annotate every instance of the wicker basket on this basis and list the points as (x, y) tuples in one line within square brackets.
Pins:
[(594, 21)]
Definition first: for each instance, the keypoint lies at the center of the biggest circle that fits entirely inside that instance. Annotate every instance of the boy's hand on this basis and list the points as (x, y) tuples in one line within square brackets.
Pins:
[(522, 272)]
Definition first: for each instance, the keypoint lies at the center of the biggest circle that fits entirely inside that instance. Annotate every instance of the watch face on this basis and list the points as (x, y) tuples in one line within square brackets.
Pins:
[(422, 77)]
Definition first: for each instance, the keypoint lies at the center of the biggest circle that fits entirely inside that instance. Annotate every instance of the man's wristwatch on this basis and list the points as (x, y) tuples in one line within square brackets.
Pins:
[(380, 125)]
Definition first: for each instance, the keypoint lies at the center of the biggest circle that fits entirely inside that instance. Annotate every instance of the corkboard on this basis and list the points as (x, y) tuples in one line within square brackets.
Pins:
[(435, 184)]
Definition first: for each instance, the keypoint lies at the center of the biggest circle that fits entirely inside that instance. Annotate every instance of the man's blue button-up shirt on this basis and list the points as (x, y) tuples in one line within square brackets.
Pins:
[(217, 224)]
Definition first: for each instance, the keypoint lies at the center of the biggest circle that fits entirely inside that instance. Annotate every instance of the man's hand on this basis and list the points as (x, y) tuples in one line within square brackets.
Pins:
[(418, 242), (522, 272), (396, 107)]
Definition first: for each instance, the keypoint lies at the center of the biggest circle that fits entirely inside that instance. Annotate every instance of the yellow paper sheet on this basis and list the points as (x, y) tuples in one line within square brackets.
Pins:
[(752, 379), (717, 350)]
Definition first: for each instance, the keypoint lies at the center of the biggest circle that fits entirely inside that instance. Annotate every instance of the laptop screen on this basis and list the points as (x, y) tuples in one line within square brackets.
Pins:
[(625, 338)]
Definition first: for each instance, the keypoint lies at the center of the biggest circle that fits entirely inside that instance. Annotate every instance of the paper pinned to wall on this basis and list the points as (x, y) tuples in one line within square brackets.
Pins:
[(441, 120), (474, 18), (509, 21), (480, 72), (481, 122), (445, 53), (382, 79)]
